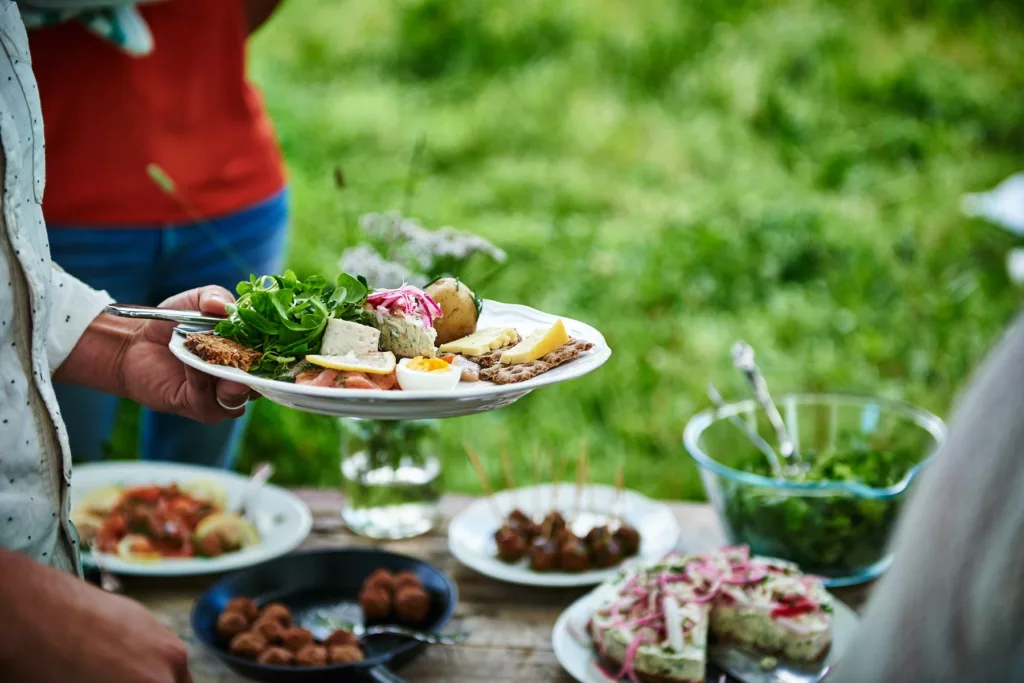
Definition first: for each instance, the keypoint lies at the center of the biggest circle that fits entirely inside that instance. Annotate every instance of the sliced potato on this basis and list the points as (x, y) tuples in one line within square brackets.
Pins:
[(207, 491), (137, 548), (87, 524), (101, 501), (234, 532)]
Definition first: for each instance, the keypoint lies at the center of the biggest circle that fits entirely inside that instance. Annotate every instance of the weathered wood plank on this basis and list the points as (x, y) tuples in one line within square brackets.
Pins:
[(510, 625)]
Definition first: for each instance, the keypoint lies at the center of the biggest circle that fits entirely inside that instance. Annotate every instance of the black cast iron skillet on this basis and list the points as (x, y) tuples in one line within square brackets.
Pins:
[(322, 579)]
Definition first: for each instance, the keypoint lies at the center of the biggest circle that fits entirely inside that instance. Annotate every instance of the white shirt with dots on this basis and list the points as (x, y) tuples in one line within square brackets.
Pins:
[(43, 313)]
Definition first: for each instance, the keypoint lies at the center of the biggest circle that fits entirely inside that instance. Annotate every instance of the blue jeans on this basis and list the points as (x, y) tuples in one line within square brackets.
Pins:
[(145, 265)]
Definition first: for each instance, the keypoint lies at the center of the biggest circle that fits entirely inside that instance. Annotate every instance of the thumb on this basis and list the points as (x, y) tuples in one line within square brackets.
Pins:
[(213, 300)]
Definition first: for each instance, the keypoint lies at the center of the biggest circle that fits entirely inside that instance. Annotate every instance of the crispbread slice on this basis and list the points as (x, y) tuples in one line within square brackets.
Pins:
[(512, 374), (489, 359), (221, 351)]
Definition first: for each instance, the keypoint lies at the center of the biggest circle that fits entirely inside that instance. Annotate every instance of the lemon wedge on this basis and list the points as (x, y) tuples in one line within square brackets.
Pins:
[(376, 363)]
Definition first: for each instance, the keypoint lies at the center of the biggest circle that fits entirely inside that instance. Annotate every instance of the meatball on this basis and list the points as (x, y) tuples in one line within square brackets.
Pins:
[(573, 555), (230, 624), (597, 535), (552, 525), (412, 604), (528, 529), (248, 645), (244, 606), (345, 654), (276, 656), (517, 516), (629, 540), (381, 578), (271, 630), (407, 579), (376, 603), (312, 655), (341, 637), (277, 612), (511, 545), (606, 553), (543, 555), (294, 639)]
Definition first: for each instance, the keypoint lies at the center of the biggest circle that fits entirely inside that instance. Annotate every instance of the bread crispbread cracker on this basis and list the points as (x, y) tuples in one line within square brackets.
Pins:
[(221, 351), (491, 358), (512, 374)]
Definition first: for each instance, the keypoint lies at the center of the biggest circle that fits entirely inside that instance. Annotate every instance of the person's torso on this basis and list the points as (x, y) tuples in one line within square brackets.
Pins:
[(35, 463), (185, 107)]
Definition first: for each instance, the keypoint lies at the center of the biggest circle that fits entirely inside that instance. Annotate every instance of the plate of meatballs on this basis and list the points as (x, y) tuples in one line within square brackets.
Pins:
[(559, 535), (311, 616)]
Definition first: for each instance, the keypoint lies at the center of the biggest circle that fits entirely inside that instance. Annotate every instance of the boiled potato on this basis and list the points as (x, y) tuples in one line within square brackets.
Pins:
[(460, 307)]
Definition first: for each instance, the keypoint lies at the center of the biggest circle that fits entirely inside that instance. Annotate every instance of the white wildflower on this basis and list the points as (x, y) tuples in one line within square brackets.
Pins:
[(409, 242), (378, 271)]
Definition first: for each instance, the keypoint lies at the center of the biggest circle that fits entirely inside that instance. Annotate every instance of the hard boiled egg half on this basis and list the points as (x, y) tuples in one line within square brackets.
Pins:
[(427, 374)]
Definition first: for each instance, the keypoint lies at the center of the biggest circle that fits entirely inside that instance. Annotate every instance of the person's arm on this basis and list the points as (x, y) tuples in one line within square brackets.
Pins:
[(258, 11), (56, 627), (130, 358), (951, 607)]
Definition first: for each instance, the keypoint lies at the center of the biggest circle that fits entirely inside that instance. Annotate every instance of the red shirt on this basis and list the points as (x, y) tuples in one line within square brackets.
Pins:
[(186, 106)]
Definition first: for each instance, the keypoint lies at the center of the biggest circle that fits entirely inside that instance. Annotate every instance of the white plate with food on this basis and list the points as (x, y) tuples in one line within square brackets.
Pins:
[(610, 529), (690, 618), (340, 349), (165, 519)]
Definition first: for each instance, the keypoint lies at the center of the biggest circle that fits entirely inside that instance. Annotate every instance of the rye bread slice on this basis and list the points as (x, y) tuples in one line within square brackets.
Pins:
[(512, 374), (221, 351)]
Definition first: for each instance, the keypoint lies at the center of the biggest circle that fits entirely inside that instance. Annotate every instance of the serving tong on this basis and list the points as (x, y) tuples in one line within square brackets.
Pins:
[(743, 359), (195, 320), (747, 667)]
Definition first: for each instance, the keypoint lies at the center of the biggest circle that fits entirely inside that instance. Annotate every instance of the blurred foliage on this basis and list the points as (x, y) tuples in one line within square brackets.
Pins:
[(678, 174)]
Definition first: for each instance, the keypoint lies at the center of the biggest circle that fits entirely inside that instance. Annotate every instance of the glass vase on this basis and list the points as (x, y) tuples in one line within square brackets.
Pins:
[(390, 473)]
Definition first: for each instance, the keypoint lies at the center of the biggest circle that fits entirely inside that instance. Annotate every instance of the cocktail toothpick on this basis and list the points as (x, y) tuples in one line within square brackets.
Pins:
[(510, 482), (616, 506), (484, 481), (581, 473)]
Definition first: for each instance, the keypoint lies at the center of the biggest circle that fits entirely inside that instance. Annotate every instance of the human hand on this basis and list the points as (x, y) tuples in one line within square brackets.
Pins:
[(152, 375), (64, 629)]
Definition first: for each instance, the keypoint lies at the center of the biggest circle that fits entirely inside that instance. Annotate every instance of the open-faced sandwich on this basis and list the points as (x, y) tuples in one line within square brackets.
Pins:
[(344, 335), (657, 622)]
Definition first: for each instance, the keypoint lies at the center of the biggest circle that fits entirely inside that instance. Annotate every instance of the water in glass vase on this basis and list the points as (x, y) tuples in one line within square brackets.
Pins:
[(391, 478)]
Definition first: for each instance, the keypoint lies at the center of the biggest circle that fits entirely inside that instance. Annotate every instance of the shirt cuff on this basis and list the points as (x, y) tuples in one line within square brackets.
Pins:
[(73, 307)]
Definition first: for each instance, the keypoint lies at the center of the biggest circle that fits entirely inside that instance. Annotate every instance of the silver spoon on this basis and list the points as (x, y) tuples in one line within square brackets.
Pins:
[(349, 616), (743, 359), (248, 501), (755, 438), (108, 582)]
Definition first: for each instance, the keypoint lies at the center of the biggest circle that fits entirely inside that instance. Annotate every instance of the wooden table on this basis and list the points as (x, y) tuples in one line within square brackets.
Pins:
[(510, 625)]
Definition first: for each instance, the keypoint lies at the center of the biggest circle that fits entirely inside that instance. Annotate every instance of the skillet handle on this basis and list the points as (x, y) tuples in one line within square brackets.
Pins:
[(381, 674)]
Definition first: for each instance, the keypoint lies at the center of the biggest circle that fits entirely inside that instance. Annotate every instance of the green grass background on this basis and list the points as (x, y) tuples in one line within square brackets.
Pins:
[(678, 174)]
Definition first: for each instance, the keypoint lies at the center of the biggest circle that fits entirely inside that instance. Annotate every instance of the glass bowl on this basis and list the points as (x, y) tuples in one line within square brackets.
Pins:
[(837, 529)]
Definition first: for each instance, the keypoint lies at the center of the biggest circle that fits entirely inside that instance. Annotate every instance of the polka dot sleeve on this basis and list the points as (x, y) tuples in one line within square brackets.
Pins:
[(73, 306)]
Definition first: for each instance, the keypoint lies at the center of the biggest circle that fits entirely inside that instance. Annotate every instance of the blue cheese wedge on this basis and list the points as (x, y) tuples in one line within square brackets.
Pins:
[(343, 337)]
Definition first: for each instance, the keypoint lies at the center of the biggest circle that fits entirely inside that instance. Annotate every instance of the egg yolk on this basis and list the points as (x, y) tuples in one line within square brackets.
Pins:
[(421, 364)]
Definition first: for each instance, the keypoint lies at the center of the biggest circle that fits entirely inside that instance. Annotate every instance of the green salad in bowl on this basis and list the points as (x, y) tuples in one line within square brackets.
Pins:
[(835, 505)]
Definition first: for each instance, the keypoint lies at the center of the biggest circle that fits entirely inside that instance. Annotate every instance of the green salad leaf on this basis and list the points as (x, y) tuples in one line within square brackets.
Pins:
[(285, 317), (829, 535)]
